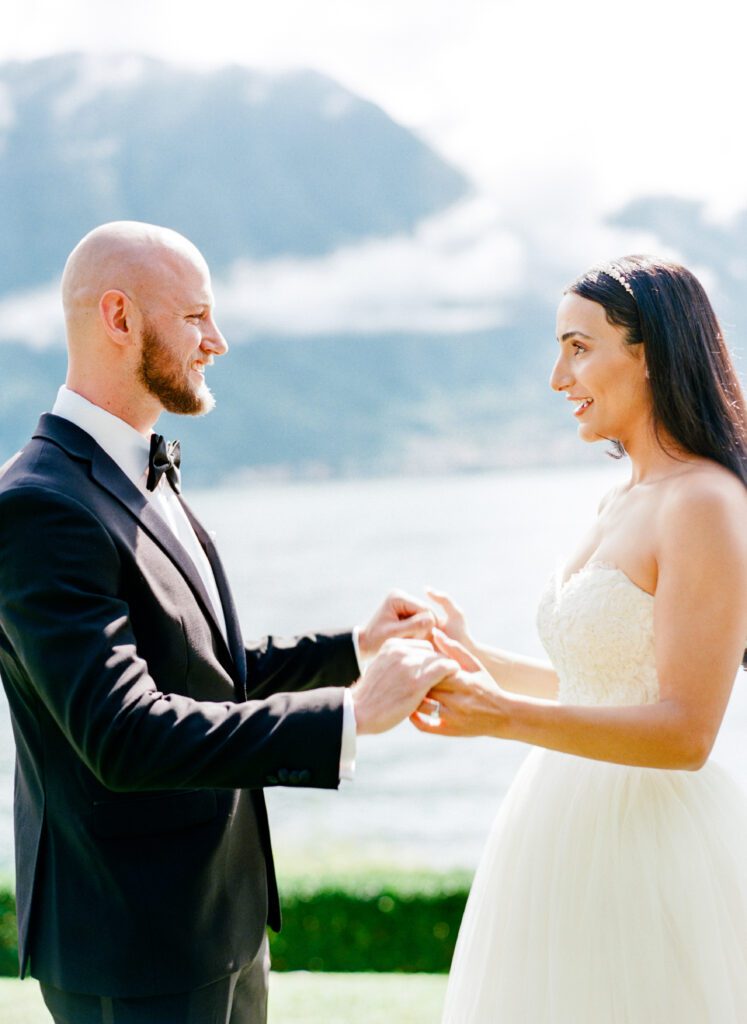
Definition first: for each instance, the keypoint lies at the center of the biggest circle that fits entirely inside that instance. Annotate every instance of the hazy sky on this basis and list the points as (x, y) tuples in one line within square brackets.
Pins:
[(558, 111), (537, 101)]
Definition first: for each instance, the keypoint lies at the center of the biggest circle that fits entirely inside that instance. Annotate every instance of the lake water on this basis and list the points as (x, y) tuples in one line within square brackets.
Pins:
[(322, 555)]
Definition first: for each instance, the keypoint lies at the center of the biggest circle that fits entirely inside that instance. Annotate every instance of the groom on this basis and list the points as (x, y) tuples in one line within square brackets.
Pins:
[(145, 729)]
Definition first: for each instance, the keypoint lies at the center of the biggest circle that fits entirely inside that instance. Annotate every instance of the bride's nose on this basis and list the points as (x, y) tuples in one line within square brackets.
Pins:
[(561, 376)]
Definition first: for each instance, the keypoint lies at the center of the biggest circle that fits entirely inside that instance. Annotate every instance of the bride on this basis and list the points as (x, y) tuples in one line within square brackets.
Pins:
[(613, 887)]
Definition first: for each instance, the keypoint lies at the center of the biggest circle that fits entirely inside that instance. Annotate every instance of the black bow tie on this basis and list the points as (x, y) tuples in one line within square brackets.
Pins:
[(165, 457)]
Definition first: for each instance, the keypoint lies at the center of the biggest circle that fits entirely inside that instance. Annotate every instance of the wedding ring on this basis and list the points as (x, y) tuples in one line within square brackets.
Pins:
[(432, 717)]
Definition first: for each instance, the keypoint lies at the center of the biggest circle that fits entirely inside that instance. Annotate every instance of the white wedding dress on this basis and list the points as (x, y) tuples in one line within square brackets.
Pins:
[(606, 894)]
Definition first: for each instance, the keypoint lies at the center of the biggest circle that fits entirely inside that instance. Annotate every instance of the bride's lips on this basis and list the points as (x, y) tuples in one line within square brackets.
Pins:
[(583, 405)]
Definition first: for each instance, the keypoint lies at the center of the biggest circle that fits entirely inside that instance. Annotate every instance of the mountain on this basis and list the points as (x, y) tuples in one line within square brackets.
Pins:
[(245, 164), (351, 405), (269, 174)]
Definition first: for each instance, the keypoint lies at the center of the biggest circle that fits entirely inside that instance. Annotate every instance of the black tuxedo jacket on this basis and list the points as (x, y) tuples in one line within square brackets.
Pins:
[(143, 858)]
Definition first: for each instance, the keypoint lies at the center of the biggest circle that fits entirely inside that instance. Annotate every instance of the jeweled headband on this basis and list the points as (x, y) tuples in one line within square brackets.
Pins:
[(617, 276)]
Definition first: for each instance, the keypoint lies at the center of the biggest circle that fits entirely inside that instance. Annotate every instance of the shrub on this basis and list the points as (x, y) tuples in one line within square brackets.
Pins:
[(8, 936), (339, 930), (378, 921)]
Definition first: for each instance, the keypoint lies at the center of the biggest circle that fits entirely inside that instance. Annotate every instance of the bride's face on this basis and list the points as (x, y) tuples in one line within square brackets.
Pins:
[(604, 378)]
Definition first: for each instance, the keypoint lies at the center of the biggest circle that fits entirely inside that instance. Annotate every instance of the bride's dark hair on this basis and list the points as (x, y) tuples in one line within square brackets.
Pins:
[(696, 394), (695, 390)]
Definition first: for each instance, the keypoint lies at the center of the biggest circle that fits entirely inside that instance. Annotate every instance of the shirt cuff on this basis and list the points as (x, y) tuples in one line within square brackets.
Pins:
[(362, 662), (349, 738)]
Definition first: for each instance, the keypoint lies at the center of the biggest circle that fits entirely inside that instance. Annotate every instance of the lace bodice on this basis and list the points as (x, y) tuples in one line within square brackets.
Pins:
[(598, 630)]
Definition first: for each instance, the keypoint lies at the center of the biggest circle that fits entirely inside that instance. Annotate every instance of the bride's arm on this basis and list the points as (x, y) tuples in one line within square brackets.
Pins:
[(700, 625), (517, 673), (514, 672)]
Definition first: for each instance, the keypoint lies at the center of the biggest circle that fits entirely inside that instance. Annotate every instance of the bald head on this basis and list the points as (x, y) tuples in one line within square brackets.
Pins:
[(139, 316), (137, 259)]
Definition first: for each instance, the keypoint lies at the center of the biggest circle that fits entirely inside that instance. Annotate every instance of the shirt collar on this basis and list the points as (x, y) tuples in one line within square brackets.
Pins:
[(121, 442)]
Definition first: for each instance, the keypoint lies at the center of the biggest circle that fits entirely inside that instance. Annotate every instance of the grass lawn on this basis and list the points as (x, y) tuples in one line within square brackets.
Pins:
[(295, 998)]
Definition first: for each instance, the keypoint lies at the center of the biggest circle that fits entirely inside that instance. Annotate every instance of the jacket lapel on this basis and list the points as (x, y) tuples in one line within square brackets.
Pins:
[(233, 627), (108, 475)]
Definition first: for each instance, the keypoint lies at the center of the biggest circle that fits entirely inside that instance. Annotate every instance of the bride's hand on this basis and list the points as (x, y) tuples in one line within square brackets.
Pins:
[(469, 704), (451, 618)]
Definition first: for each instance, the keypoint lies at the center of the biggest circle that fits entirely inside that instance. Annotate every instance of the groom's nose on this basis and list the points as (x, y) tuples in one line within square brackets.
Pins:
[(213, 340)]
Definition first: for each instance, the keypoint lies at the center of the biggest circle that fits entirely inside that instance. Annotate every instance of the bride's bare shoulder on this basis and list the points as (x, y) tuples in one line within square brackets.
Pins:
[(707, 497), (705, 480)]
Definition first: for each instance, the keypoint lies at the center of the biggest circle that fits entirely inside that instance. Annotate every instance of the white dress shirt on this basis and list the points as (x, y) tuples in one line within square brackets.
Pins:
[(130, 451)]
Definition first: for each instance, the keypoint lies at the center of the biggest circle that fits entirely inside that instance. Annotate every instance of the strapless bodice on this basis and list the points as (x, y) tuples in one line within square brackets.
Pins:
[(598, 630)]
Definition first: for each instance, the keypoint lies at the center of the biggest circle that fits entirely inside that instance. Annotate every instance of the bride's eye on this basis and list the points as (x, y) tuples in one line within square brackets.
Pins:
[(578, 347)]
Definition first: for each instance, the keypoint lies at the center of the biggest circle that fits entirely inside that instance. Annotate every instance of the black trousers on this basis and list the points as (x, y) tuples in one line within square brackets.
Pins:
[(239, 998)]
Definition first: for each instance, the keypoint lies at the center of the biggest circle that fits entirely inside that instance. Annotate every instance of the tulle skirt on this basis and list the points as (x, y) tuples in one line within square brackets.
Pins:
[(607, 895)]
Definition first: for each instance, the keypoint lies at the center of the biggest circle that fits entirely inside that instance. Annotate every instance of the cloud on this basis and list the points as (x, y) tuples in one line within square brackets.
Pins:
[(454, 273), (33, 317), (564, 227), (458, 271), (647, 97), (97, 72)]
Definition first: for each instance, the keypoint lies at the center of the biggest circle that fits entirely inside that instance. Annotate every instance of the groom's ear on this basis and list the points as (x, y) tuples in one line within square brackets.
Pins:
[(115, 310)]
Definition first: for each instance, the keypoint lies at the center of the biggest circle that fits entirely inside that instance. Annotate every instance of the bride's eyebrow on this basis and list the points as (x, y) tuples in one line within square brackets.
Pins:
[(573, 334)]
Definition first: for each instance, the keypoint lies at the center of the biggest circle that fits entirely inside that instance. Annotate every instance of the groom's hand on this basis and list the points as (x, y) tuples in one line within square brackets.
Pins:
[(398, 616), (395, 683), (469, 703)]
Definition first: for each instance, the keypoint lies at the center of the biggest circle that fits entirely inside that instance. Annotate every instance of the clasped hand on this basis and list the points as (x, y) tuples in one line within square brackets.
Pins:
[(416, 664), (470, 702), (404, 667)]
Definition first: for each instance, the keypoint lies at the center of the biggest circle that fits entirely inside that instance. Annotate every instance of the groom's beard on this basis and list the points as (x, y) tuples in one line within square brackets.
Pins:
[(161, 373)]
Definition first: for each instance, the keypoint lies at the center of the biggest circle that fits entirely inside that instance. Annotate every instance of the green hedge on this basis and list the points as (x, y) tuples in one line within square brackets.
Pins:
[(375, 922), (8, 938)]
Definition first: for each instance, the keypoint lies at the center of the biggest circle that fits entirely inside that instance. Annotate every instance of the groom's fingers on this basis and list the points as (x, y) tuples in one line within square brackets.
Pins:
[(418, 626), (405, 605), (421, 645), (453, 649), (436, 670)]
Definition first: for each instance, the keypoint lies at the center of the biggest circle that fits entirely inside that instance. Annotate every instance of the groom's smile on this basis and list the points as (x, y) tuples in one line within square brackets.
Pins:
[(180, 341)]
